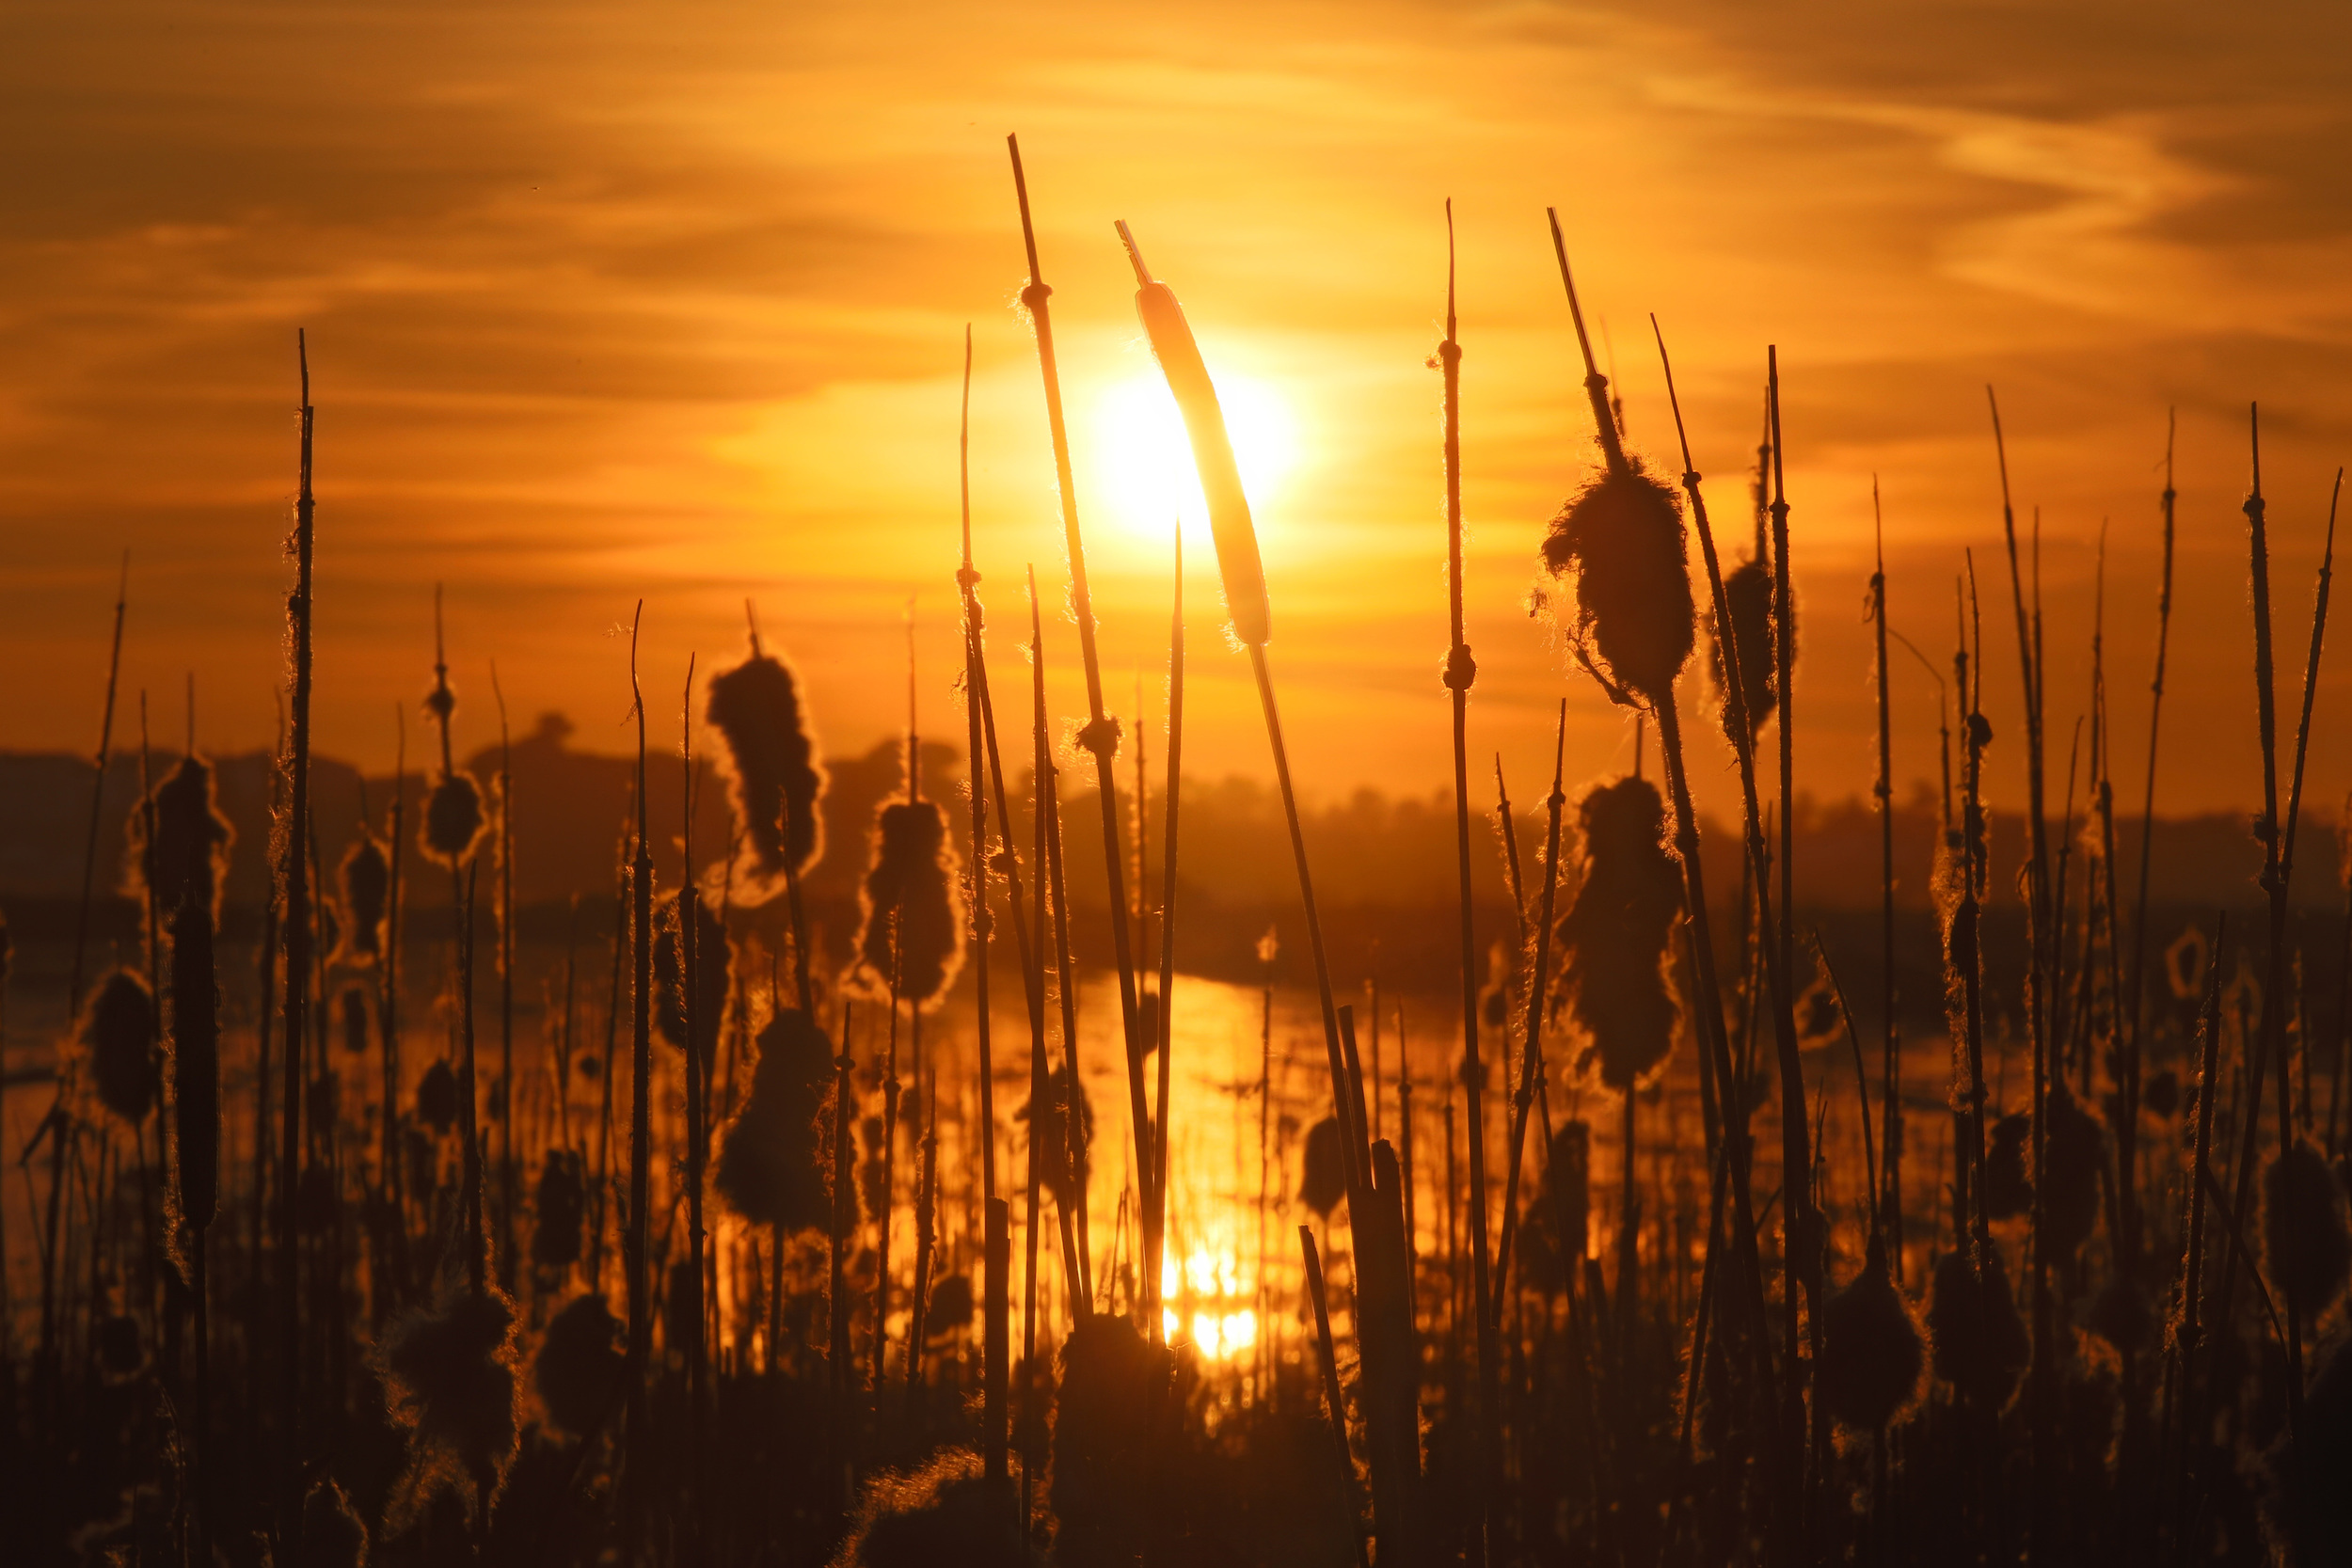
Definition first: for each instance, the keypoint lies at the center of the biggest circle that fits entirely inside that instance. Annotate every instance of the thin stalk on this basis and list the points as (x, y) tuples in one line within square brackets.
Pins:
[(1334, 1401), (638, 1455), (1174, 789), (1891, 1112), (1101, 734), (296, 933), (506, 988), (1531, 1061)]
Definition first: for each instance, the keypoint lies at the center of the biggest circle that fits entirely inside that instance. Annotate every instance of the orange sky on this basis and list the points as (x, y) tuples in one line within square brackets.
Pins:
[(611, 300)]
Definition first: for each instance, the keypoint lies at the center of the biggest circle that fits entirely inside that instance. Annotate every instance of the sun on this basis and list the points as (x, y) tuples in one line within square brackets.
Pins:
[(1142, 456)]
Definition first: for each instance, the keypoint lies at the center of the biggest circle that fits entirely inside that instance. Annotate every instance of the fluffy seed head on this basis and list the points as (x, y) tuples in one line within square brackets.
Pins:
[(562, 1204), (774, 1166), (773, 778), (713, 962), (2306, 1248), (436, 1097), (945, 1512), (2074, 1151), (120, 1030), (1616, 933), (367, 879), (578, 1369), (1870, 1350), (1049, 1135), (1979, 1341), (1749, 592), (912, 927), (449, 1376), (453, 819), (1623, 538)]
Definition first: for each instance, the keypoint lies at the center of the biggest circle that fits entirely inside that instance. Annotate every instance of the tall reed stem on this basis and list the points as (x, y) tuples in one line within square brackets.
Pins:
[(297, 932), (639, 1453)]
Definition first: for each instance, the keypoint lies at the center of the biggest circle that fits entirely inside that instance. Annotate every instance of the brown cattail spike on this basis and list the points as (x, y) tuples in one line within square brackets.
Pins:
[(192, 839), (367, 879), (1872, 1353), (1230, 523), (578, 1369), (2306, 1248)]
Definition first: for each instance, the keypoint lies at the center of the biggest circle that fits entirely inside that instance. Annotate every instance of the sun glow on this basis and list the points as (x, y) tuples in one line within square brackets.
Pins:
[(1142, 455), (1207, 1304)]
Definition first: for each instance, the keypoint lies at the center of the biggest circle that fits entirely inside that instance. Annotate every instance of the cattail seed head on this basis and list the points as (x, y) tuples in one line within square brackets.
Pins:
[(192, 838), (1323, 1179), (773, 778), (1980, 1345), (366, 880), (2306, 1248), (455, 821), (913, 928), (1748, 591), (120, 1030), (771, 1167), (579, 1368), (951, 1306), (353, 1004), (1617, 931), (1871, 1353), (1623, 536), (943, 1513), (333, 1535), (436, 1097), (1049, 1133), (196, 1061), (449, 1376), (713, 965), (2008, 1182), (562, 1204)]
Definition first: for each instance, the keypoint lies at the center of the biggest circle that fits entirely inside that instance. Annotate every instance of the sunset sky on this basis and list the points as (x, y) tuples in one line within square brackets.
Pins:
[(618, 300)]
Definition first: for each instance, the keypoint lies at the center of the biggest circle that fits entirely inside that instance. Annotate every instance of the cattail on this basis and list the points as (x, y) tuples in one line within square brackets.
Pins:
[(192, 839), (436, 1097), (1568, 1182), (679, 1305), (772, 777), (1748, 589), (562, 1204), (354, 1006), (453, 819), (2075, 1151), (449, 1376), (195, 1062), (951, 1306), (713, 976), (2305, 1245), (1050, 1132), (1870, 1349), (367, 879), (2161, 1094), (2185, 963), (1616, 933), (578, 1369), (333, 1535), (913, 878), (1106, 1450), (119, 1031), (2008, 1184), (943, 1513), (1623, 538), (773, 1166), (1323, 1179), (2309, 1504), (1979, 1341)]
